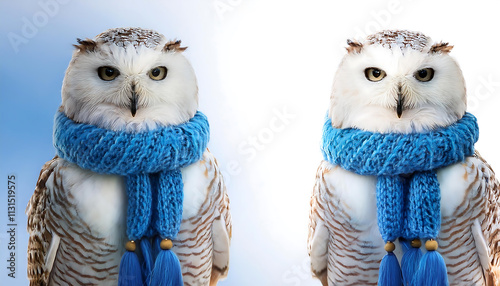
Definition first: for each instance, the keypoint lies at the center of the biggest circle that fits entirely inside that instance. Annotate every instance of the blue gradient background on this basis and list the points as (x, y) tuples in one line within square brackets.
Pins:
[(255, 61)]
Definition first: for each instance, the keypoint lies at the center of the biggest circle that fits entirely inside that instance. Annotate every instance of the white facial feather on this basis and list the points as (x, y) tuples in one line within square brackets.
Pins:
[(359, 103), (89, 99)]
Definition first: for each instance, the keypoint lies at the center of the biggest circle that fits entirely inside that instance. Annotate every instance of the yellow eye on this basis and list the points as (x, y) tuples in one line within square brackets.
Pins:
[(158, 73), (374, 74), (424, 74), (107, 73)]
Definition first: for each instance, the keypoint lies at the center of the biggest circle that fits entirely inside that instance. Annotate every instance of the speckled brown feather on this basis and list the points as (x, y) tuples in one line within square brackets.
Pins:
[(196, 235), (40, 237), (86, 45), (174, 46), (122, 37), (353, 46), (351, 258), (441, 48), (491, 223), (401, 38)]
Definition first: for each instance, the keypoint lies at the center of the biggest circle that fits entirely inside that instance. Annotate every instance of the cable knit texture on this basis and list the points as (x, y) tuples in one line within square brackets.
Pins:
[(400, 160)]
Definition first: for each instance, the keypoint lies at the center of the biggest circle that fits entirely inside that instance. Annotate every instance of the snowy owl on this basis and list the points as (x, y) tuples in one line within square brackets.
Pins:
[(132, 185), (402, 197)]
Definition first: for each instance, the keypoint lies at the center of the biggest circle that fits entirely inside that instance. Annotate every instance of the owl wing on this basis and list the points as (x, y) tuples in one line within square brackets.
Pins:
[(487, 233), (318, 237), (344, 243), (66, 247), (40, 259), (202, 244), (469, 237), (221, 229)]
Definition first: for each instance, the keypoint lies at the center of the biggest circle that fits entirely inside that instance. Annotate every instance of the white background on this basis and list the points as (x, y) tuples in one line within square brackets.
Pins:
[(255, 61)]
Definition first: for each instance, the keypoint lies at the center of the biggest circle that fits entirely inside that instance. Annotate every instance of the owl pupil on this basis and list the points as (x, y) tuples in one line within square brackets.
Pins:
[(155, 72), (109, 72), (422, 73), (376, 73)]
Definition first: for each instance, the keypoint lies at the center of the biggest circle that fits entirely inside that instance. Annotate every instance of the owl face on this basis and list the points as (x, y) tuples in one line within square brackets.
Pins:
[(129, 79), (397, 81)]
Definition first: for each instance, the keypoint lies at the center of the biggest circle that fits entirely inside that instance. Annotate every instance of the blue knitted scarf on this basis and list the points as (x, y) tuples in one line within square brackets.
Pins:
[(150, 161), (407, 192)]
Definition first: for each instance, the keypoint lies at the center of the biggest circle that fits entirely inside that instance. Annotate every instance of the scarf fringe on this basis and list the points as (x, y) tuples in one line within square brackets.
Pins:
[(432, 271), (390, 272), (410, 263), (130, 270), (156, 247), (167, 270), (160, 267), (147, 265)]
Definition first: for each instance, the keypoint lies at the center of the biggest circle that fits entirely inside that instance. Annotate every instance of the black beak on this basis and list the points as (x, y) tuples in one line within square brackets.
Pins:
[(133, 102), (400, 101)]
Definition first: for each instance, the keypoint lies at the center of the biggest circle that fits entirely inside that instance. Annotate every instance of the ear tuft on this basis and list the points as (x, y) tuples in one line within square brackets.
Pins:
[(353, 46), (86, 45), (441, 48), (174, 46)]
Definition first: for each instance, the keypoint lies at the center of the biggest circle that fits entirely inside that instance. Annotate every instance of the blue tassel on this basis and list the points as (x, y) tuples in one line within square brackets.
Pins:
[(130, 270), (432, 271), (167, 271), (404, 244), (147, 265), (156, 247), (410, 263), (390, 272)]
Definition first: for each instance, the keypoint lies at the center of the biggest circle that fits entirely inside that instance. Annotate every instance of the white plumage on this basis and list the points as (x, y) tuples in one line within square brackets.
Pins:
[(77, 218), (380, 86), (358, 102), (87, 98)]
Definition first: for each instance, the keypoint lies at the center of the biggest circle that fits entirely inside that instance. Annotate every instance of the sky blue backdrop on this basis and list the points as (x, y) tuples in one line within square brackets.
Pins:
[(265, 70)]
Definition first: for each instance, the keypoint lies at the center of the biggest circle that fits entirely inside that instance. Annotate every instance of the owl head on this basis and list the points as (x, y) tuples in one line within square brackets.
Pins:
[(397, 81), (129, 79)]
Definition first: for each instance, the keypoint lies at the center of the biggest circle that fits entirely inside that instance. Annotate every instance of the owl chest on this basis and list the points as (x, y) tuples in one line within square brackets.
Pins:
[(101, 201), (356, 194), (101, 204)]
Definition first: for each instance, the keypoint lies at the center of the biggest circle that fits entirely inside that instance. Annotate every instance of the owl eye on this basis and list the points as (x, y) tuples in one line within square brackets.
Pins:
[(424, 74), (374, 74), (158, 73), (107, 73)]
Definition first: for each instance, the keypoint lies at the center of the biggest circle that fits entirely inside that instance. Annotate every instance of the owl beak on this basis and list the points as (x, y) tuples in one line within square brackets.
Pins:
[(133, 102), (400, 101)]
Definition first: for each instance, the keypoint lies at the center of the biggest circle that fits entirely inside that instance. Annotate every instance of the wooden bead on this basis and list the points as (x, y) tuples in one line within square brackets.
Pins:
[(431, 245), (130, 245), (389, 246), (166, 244), (416, 243)]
